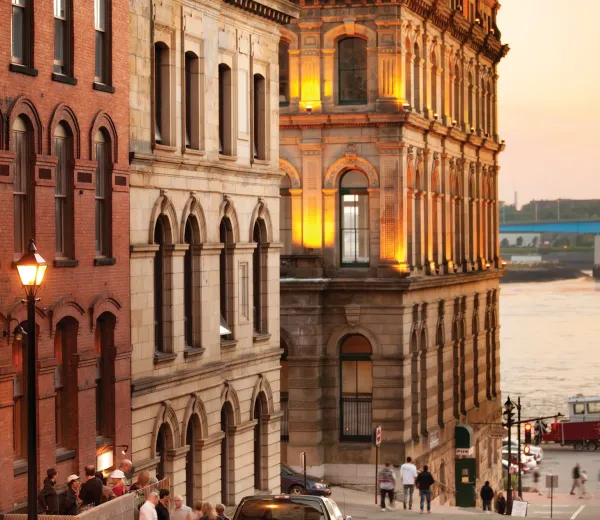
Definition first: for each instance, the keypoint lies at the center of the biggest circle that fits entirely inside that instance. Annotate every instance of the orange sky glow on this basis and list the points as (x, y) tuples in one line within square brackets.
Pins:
[(549, 99)]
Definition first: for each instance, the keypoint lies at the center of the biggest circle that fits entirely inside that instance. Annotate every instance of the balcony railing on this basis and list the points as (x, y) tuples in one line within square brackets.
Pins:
[(357, 419)]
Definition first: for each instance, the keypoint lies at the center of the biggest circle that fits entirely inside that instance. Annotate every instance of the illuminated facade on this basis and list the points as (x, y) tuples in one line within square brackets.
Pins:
[(390, 268), (204, 155)]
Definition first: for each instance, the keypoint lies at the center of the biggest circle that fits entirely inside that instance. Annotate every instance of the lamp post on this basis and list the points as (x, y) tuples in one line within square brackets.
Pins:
[(31, 268), (508, 413)]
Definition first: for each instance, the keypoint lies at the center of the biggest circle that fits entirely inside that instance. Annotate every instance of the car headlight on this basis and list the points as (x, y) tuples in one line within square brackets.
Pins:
[(319, 485)]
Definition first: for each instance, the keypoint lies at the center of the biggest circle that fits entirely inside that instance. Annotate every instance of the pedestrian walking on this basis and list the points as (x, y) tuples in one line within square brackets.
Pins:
[(220, 509), (162, 508), (582, 480), (487, 496), (72, 502), (500, 504), (576, 476), (387, 485), (408, 471), (148, 509), (196, 514), (208, 512), (181, 511), (48, 497), (91, 491), (536, 480), (424, 482)]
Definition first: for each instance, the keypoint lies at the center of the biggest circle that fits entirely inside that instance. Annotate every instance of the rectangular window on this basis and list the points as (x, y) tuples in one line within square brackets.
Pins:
[(355, 228), (23, 229), (61, 37), (579, 408), (285, 220), (593, 407), (102, 29), (20, 32), (62, 202), (284, 73), (102, 220)]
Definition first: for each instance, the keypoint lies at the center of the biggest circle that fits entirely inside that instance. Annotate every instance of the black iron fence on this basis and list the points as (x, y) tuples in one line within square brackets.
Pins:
[(357, 419)]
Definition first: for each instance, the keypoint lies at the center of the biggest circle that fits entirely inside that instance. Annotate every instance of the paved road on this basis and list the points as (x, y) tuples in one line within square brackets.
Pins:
[(565, 512)]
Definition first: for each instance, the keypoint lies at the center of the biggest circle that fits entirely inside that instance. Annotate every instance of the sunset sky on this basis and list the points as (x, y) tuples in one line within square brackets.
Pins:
[(549, 99)]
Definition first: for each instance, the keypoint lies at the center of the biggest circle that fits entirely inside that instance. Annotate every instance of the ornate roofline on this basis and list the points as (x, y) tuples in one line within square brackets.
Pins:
[(275, 14)]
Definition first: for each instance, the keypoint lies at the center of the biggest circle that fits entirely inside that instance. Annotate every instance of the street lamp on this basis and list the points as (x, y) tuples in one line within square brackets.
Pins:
[(508, 414), (31, 268)]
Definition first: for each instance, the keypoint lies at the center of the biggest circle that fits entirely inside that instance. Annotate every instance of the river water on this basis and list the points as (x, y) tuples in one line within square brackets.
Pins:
[(550, 343)]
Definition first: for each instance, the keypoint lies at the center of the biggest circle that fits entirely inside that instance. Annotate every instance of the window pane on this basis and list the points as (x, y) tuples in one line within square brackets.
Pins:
[(362, 246), (349, 246), (59, 45), (59, 215), (352, 70), (100, 172), (593, 407), (100, 56), (364, 377), (100, 15), (362, 220), (18, 16), (284, 72), (59, 8), (349, 378)]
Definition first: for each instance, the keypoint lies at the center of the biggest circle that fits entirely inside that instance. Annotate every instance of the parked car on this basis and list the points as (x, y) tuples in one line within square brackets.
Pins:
[(528, 462), (292, 482), (288, 507), (536, 451)]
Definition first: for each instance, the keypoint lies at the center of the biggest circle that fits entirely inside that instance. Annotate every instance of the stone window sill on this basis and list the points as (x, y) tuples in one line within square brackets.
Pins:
[(163, 357), (104, 261), (193, 352), (228, 344), (23, 69), (164, 148), (19, 467), (103, 88), (230, 158), (63, 454), (261, 337), (61, 78), (65, 262)]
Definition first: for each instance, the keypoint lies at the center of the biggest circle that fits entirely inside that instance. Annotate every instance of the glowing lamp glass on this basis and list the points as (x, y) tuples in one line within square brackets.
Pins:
[(31, 267)]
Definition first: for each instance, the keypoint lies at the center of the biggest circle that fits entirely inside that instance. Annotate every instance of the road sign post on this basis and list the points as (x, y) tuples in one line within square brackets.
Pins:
[(551, 483), (377, 442)]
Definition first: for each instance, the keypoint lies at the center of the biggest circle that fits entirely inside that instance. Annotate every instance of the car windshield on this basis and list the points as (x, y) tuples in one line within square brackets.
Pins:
[(334, 510), (281, 509), (286, 470)]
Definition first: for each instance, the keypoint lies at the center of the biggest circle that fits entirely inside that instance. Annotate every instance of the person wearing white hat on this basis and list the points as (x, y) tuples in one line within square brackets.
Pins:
[(117, 482), (72, 501)]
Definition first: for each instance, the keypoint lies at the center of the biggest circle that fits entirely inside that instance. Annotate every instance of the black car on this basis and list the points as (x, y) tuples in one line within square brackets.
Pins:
[(292, 482), (288, 507)]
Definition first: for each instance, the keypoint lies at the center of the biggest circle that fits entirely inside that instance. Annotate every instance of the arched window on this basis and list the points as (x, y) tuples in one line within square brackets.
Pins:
[(434, 83), (490, 125), (483, 121), (423, 380), (356, 389), (408, 72), (417, 76), (162, 94), (160, 239), (20, 389), (226, 452), (457, 116), (161, 452), (414, 384), (225, 275), (352, 71), (284, 73), (191, 285), (192, 101), (354, 219), (103, 194), (65, 345), (225, 111), (285, 215), (259, 278), (455, 369), (283, 393), (191, 460), (63, 191), (105, 395), (259, 117), (440, 370), (23, 182)]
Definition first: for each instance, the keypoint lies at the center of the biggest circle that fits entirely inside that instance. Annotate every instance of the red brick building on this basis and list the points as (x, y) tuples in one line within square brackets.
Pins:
[(64, 98)]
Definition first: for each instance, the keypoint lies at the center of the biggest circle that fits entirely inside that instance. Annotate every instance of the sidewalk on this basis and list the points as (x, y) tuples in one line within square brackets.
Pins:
[(592, 498)]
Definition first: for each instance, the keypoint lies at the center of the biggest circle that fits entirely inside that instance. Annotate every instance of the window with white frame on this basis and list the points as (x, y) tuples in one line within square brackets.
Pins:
[(21, 34), (102, 28), (354, 218), (62, 37)]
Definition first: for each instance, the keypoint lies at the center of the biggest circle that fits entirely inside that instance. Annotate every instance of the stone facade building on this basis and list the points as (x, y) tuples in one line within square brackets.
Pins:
[(390, 267), (205, 244), (64, 181)]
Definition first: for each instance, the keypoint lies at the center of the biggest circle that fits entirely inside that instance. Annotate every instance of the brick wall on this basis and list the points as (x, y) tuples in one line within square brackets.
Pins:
[(85, 291)]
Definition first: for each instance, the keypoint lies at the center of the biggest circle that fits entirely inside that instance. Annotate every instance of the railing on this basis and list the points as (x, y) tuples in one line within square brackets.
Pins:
[(356, 420), (121, 508)]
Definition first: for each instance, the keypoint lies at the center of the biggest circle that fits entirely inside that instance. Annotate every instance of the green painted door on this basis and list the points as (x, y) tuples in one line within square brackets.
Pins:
[(465, 472)]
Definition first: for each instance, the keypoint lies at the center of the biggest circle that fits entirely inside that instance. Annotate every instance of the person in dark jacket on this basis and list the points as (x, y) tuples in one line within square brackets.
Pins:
[(91, 491), (162, 508), (487, 496), (500, 504), (48, 497), (424, 482), (72, 502)]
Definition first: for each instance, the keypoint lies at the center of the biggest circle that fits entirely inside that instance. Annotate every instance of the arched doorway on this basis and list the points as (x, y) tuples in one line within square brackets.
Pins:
[(260, 407), (226, 453), (162, 444), (190, 464)]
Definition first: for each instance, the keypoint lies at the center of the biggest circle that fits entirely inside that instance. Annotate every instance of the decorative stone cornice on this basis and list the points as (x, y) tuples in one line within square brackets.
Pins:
[(280, 11)]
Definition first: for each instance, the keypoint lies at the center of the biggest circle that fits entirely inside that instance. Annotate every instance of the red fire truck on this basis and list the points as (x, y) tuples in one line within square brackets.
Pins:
[(582, 429)]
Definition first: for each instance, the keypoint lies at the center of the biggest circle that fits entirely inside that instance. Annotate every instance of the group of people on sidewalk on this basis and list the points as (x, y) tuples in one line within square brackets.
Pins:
[(410, 478), (94, 490), (423, 480), (156, 507)]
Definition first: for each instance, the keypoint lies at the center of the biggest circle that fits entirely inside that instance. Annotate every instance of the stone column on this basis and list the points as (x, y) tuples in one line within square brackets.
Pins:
[(428, 202), (312, 175), (173, 308), (446, 84), (210, 308), (446, 216), (175, 468), (495, 104), (331, 227), (294, 55), (464, 218), (375, 231), (271, 425), (242, 298), (329, 73), (427, 112), (464, 61), (310, 65), (241, 460), (402, 210), (296, 203), (207, 468)]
